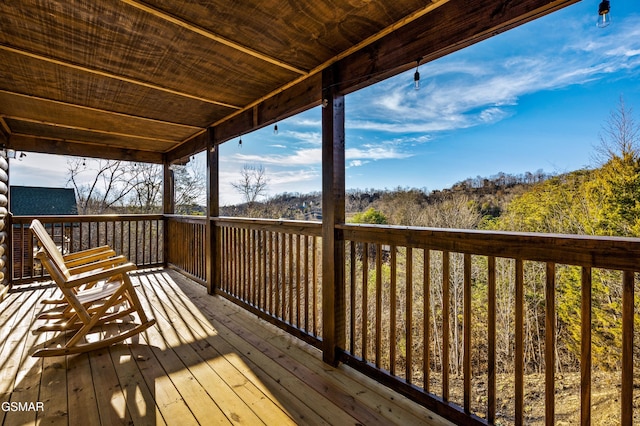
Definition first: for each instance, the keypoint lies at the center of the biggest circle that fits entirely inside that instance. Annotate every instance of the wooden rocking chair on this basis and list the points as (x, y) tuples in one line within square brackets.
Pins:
[(77, 262), (99, 309)]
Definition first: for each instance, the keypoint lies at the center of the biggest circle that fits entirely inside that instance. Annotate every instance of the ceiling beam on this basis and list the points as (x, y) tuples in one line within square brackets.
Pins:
[(86, 129), (145, 120), (113, 76), (81, 149), (212, 36), (454, 26)]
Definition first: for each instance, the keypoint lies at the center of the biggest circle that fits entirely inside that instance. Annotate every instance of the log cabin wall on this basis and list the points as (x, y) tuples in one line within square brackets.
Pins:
[(5, 223)]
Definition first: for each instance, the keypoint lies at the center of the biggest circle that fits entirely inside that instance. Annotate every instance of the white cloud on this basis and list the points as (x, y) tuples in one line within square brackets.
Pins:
[(468, 89)]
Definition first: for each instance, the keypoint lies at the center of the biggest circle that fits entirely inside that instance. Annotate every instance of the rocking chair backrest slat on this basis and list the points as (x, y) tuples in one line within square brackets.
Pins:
[(49, 247)]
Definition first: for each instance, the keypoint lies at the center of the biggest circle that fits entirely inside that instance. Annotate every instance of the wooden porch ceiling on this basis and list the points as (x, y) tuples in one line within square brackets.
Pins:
[(143, 80)]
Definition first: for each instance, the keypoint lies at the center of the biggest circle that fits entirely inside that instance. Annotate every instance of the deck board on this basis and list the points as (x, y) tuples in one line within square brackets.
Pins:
[(205, 362)]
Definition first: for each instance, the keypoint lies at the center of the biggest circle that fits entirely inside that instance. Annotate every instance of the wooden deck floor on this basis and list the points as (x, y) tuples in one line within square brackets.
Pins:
[(206, 362)]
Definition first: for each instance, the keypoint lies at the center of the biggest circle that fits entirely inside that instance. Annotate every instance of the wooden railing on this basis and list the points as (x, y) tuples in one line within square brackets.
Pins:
[(272, 268), (415, 295), (186, 245), (138, 237), (442, 316)]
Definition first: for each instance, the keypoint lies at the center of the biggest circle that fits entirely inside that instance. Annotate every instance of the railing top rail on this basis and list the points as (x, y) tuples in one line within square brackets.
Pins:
[(303, 227), (581, 250), (86, 218)]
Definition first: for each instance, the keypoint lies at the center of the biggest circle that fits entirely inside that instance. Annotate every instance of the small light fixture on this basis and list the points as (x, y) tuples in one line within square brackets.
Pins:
[(240, 143), (11, 153), (604, 17), (275, 129), (416, 76), (22, 155)]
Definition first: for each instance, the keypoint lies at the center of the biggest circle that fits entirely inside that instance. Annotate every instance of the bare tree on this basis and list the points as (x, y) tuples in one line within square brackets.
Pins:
[(146, 196), (253, 183), (620, 137), (190, 184), (109, 184)]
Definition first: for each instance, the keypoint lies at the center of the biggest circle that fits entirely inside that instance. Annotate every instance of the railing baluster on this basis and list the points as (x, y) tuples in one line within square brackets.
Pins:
[(627, 347), (550, 343), (306, 282), (426, 300), (314, 267), (298, 299), (519, 343), (290, 282), (585, 349), (352, 301), (393, 311), (409, 316), (378, 336), (365, 297), (467, 334), (445, 325), (491, 334)]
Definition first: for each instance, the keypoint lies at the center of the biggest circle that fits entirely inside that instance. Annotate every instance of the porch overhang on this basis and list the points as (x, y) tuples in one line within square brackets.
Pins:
[(143, 81)]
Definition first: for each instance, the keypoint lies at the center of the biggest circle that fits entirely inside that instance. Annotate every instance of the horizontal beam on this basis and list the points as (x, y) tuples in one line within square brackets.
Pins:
[(117, 77), (451, 26), (79, 149)]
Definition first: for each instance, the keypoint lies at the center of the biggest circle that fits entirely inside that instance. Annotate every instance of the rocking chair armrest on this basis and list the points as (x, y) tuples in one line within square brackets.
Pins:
[(88, 252), (98, 264), (101, 274), (89, 258)]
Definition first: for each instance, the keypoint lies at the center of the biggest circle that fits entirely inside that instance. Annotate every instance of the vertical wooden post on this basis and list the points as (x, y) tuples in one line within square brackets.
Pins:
[(213, 260), (168, 206), (333, 203), (627, 347)]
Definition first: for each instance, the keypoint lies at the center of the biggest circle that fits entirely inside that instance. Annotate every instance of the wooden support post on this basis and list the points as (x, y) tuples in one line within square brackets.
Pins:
[(333, 204), (213, 261), (168, 207)]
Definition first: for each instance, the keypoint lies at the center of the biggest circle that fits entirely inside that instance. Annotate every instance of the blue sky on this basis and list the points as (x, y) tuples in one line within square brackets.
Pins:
[(535, 97)]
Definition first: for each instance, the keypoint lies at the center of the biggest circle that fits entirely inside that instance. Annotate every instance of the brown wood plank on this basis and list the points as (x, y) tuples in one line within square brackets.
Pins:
[(391, 407), (53, 382), (264, 373), (140, 398), (110, 399), (18, 372), (81, 393)]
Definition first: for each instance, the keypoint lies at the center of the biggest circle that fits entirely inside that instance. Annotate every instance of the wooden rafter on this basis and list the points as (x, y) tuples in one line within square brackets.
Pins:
[(143, 120), (212, 36), (430, 7), (86, 129), (114, 76)]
